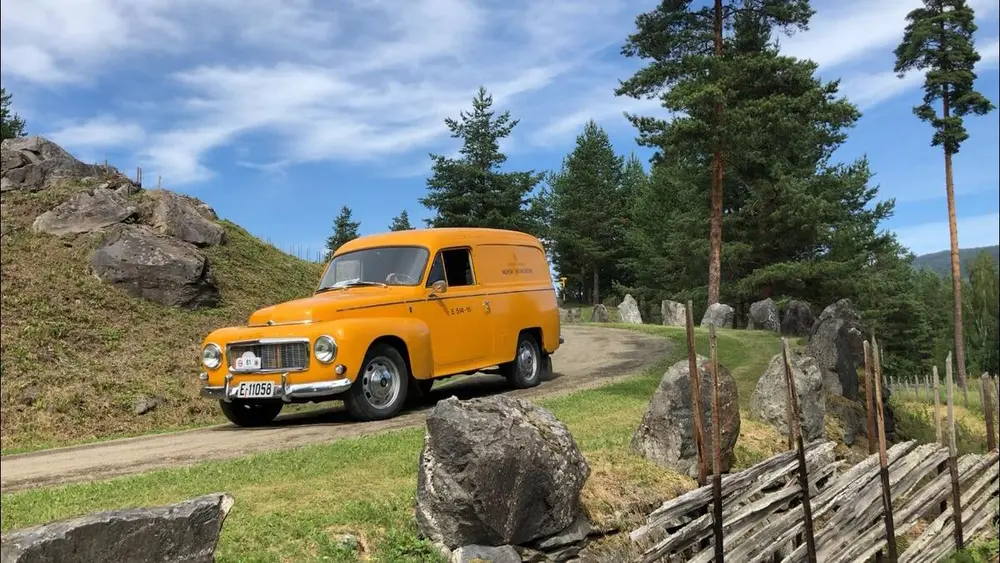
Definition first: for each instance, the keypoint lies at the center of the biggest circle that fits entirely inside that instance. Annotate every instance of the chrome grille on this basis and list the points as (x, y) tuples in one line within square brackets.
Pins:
[(277, 356)]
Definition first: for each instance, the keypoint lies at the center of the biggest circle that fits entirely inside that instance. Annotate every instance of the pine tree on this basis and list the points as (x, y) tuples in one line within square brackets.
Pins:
[(938, 39), (11, 126), (400, 222), (472, 191), (690, 70), (982, 308), (344, 230)]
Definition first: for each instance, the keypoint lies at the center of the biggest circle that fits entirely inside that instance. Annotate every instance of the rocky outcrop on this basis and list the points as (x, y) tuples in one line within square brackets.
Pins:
[(628, 311), (85, 213), (34, 163), (185, 532), (497, 471), (764, 316), (720, 315), (770, 397), (852, 418), (837, 344), (600, 314), (798, 319), (666, 434), (155, 267), (480, 553), (673, 313), (180, 217)]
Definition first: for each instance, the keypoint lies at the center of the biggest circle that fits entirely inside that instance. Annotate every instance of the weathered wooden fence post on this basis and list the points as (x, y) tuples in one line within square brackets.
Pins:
[(890, 532), (956, 493), (870, 399), (716, 449), (696, 396), (793, 400), (918, 386), (937, 406), (989, 409)]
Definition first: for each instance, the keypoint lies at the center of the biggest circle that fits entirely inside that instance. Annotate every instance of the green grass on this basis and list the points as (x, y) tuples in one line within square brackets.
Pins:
[(89, 349), (290, 505)]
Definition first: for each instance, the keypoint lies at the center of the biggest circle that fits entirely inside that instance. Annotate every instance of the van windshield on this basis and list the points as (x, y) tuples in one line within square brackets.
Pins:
[(388, 265)]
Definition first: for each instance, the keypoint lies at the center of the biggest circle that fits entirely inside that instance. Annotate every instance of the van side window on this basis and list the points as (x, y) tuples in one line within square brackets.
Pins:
[(437, 271), (458, 266)]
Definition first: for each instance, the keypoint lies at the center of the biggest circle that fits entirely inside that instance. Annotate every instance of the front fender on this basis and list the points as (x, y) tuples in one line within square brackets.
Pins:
[(355, 336)]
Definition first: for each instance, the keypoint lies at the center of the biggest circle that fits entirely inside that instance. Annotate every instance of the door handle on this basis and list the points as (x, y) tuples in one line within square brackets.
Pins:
[(486, 305)]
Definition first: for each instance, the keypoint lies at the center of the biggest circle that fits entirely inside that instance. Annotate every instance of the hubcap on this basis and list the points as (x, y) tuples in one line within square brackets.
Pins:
[(527, 361), (381, 382)]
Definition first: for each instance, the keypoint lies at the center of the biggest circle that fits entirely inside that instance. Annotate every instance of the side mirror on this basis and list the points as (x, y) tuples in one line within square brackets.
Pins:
[(439, 286)]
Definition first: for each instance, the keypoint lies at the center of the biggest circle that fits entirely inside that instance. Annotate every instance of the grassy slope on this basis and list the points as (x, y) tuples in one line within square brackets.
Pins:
[(90, 349)]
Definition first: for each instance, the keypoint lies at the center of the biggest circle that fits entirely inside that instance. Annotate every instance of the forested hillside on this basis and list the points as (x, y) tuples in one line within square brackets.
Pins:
[(940, 262)]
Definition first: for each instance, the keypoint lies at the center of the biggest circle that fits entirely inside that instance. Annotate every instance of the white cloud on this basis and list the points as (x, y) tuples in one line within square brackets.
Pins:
[(102, 131), (978, 230)]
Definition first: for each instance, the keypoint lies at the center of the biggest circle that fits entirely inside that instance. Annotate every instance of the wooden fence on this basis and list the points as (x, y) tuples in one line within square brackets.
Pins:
[(800, 506)]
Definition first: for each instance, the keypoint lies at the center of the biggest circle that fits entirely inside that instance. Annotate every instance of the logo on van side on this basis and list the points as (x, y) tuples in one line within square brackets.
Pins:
[(509, 271)]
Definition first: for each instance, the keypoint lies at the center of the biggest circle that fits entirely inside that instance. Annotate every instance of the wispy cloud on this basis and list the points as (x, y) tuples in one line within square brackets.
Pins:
[(100, 132), (978, 230)]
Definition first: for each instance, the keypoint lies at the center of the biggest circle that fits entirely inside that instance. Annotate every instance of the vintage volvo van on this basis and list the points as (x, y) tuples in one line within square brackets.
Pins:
[(392, 313)]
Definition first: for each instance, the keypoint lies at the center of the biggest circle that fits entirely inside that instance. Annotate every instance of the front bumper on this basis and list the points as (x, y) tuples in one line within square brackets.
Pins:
[(285, 391)]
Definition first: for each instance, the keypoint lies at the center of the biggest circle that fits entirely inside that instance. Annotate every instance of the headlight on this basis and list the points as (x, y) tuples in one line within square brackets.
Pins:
[(325, 349), (211, 356)]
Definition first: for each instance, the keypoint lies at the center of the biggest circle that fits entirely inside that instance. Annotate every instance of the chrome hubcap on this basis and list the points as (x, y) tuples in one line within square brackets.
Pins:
[(527, 361), (381, 382)]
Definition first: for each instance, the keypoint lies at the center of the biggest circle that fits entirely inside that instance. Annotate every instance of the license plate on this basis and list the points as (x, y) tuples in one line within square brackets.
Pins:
[(255, 390)]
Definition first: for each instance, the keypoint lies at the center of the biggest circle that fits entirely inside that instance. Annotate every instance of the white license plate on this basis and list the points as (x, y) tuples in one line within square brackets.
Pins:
[(255, 390)]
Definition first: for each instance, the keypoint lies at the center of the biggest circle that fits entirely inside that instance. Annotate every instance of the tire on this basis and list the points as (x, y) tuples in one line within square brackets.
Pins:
[(381, 388), (250, 414), (528, 366)]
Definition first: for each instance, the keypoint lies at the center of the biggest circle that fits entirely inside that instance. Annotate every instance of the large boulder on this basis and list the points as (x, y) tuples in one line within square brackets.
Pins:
[(666, 434), (181, 217), (85, 213), (600, 314), (764, 316), (628, 311), (34, 163), (570, 315), (719, 315), (673, 313), (798, 319), (155, 267), (770, 397), (837, 344), (185, 532), (497, 471)]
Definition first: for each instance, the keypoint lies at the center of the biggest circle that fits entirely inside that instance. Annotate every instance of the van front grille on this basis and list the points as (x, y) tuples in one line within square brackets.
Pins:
[(281, 356)]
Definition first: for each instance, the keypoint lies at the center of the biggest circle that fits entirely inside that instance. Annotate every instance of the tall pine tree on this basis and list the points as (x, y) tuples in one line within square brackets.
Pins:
[(400, 222), (11, 125), (344, 230), (938, 39), (472, 191)]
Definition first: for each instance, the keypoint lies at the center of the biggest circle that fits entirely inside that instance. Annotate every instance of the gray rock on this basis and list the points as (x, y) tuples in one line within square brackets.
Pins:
[(837, 344), (184, 532), (574, 534), (770, 397), (674, 313), (179, 216), (764, 316), (155, 267), (348, 542), (497, 470), (570, 315), (34, 163), (666, 434), (85, 213), (30, 395), (720, 315), (146, 404), (600, 314), (470, 553), (852, 417), (628, 311), (798, 319)]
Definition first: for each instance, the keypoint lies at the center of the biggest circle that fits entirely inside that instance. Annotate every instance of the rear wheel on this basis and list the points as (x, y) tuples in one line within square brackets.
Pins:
[(529, 364), (381, 387), (247, 413)]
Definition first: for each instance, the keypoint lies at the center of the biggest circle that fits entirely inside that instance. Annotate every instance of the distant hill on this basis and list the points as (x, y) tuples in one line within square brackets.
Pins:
[(940, 262)]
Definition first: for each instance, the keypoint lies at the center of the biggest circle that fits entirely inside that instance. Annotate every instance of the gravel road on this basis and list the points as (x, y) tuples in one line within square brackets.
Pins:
[(591, 356)]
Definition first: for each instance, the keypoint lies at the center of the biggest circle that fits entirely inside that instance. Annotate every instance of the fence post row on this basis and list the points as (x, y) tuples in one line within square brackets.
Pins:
[(890, 532), (793, 401), (956, 501), (696, 395), (716, 448)]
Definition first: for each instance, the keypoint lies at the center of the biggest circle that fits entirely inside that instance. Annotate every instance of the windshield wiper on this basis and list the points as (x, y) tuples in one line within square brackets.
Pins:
[(359, 282)]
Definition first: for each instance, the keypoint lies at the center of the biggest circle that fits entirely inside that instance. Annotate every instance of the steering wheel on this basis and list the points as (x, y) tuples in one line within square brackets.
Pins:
[(405, 278)]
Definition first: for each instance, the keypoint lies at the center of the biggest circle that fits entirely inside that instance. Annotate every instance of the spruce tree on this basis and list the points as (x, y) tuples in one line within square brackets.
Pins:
[(344, 230), (400, 222), (938, 40), (11, 126), (471, 190)]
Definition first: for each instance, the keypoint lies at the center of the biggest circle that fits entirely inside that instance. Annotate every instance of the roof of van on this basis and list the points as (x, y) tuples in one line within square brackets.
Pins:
[(440, 236)]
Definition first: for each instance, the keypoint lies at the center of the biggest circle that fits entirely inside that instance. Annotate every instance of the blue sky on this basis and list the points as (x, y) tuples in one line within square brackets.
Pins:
[(278, 112)]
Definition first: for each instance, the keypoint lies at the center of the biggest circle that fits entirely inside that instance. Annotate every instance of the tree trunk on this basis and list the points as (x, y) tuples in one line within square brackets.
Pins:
[(956, 271), (597, 286), (715, 219)]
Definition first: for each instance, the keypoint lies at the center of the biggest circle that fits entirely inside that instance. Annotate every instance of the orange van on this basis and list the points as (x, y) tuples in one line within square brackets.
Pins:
[(392, 313)]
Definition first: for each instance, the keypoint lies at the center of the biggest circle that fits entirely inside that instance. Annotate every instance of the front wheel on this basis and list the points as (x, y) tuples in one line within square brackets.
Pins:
[(380, 389), (246, 413), (528, 366)]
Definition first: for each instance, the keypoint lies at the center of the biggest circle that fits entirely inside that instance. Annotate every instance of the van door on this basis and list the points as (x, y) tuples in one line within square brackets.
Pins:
[(461, 334)]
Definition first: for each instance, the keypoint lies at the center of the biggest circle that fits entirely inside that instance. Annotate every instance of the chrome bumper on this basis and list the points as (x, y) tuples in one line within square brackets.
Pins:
[(284, 390)]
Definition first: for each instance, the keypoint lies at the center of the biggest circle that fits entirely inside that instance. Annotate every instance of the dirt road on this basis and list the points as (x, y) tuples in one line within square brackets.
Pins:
[(591, 356)]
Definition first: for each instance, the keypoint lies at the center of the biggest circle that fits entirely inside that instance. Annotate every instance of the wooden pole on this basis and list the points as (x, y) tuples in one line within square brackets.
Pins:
[(870, 399), (793, 400), (890, 531), (989, 409), (956, 494), (699, 433), (938, 429), (716, 448)]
